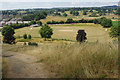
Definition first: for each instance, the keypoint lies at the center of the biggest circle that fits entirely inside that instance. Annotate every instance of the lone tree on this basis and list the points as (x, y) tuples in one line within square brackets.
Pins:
[(25, 36), (8, 33), (29, 36), (46, 31), (81, 36)]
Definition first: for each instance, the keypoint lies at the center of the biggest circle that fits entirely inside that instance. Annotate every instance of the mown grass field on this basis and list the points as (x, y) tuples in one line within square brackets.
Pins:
[(69, 31)]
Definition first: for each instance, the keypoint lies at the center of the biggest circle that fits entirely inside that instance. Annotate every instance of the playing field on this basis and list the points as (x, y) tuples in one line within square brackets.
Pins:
[(68, 31)]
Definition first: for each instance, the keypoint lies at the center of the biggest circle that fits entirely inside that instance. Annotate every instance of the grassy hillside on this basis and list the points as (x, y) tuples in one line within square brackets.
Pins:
[(74, 60), (81, 16)]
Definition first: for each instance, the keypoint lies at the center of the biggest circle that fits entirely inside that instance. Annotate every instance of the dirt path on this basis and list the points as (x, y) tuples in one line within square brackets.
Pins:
[(24, 66)]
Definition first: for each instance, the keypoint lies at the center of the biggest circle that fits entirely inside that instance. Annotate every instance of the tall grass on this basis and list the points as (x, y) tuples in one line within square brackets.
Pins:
[(5, 68), (75, 60), (81, 60)]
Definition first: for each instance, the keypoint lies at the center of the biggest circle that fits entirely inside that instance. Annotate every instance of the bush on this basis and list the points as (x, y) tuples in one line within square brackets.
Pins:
[(25, 36), (29, 36), (33, 44)]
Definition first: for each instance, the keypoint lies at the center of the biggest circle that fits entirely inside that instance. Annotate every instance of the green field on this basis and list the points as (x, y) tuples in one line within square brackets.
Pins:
[(68, 31), (115, 23), (81, 16)]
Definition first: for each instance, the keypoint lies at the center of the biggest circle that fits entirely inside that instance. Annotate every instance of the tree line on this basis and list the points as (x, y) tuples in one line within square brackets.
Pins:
[(34, 16), (103, 21), (70, 20), (20, 25)]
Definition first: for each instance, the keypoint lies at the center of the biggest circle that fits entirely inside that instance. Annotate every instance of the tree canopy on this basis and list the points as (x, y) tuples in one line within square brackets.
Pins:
[(115, 31), (8, 33), (81, 36), (46, 31)]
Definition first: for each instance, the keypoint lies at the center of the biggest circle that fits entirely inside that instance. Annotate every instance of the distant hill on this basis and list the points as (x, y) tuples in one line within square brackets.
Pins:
[(114, 6)]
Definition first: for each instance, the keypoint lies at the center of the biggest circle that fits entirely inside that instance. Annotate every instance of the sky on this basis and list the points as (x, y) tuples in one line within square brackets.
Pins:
[(25, 4), (59, 0)]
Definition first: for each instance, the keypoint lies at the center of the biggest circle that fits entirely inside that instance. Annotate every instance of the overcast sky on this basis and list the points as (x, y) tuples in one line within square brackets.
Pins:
[(25, 4), (59, 0)]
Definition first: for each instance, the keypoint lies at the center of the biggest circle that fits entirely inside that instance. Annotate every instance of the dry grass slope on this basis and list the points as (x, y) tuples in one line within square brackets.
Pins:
[(81, 60), (75, 60)]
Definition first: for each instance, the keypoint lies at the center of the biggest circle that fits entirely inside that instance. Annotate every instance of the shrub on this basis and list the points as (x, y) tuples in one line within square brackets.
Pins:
[(25, 36), (29, 36), (32, 44)]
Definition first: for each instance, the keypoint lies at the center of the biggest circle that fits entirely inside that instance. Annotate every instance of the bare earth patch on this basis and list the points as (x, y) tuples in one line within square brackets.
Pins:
[(24, 66)]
